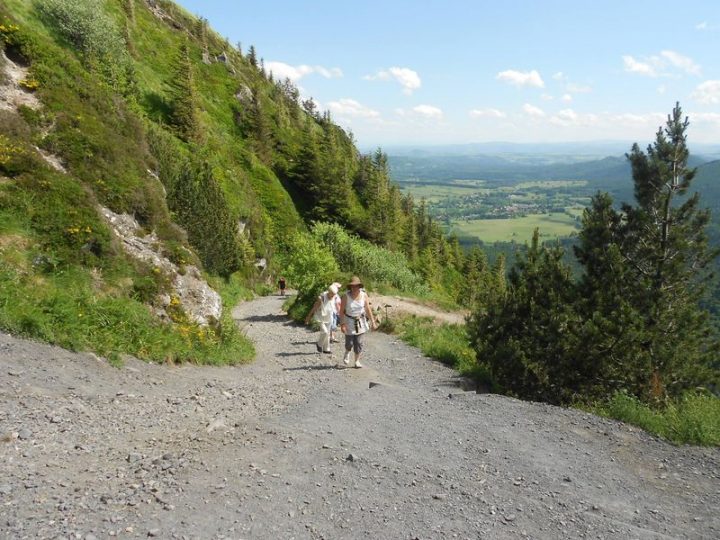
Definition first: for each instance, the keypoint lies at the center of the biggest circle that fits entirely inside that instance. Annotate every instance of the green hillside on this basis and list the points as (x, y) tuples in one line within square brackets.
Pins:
[(140, 108)]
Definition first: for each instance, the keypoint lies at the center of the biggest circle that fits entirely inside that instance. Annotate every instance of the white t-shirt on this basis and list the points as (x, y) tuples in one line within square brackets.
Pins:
[(356, 322)]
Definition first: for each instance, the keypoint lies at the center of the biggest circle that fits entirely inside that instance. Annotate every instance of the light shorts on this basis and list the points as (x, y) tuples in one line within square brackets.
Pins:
[(354, 342)]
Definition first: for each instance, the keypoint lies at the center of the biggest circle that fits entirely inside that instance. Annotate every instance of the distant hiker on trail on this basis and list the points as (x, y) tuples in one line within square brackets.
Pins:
[(281, 286), (355, 313), (336, 315), (322, 310)]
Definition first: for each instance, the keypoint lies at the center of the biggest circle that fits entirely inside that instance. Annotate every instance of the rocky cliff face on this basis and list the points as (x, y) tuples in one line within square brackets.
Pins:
[(201, 303)]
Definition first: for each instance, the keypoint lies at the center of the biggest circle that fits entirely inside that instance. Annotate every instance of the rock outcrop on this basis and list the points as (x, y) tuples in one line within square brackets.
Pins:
[(201, 303)]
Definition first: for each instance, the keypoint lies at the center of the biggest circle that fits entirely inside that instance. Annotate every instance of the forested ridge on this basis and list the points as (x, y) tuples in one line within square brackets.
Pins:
[(153, 115)]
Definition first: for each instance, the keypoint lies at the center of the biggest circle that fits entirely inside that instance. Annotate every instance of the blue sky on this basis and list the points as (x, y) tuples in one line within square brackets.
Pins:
[(460, 71)]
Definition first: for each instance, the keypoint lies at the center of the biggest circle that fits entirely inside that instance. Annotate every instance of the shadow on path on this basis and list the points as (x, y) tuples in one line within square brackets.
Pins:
[(313, 368), (270, 318)]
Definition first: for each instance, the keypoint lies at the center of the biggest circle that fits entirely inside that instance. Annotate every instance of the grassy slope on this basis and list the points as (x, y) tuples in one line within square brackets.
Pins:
[(52, 286)]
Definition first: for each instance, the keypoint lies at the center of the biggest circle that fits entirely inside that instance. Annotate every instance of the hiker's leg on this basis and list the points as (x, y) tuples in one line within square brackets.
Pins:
[(348, 349), (324, 339), (358, 348)]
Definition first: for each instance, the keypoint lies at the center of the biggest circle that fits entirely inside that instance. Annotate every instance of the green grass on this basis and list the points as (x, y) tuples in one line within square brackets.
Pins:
[(692, 419), (85, 311), (435, 193), (447, 343), (555, 225)]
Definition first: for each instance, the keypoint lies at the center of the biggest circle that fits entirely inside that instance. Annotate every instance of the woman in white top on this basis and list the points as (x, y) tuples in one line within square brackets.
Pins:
[(355, 313), (323, 309)]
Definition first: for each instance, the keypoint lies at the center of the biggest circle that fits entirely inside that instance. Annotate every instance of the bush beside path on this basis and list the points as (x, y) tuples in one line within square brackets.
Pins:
[(293, 446)]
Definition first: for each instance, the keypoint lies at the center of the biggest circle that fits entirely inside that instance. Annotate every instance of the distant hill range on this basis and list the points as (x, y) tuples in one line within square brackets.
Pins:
[(611, 173), (582, 150)]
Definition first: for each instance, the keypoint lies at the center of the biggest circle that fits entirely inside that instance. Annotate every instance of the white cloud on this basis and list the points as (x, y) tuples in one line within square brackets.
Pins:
[(706, 118), (567, 98), (533, 111), (707, 93), (684, 63), (332, 73), (570, 118), (421, 113), (281, 70), (663, 65), (565, 117), (406, 77), (642, 68), (546, 97), (649, 121), (701, 26), (662, 89), (521, 78), (487, 113), (428, 111), (347, 107), (559, 76)]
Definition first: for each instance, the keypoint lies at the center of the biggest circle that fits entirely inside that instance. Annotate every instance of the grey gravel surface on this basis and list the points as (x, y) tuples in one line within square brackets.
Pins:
[(293, 446)]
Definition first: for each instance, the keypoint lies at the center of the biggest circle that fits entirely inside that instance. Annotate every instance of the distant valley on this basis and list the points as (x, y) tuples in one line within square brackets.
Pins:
[(503, 196)]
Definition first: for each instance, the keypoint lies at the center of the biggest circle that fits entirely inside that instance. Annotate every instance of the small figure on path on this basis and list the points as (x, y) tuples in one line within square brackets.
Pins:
[(281, 285), (336, 315), (322, 310), (355, 313)]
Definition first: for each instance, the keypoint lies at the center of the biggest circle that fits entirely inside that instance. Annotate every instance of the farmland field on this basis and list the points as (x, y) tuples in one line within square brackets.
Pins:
[(519, 229), (503, 211)]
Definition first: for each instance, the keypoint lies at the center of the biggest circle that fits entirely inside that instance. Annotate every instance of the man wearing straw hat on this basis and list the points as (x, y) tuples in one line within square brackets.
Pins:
[(355, 313)]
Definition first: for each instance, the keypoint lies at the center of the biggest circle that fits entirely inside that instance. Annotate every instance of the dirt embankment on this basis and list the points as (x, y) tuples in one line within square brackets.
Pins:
[(293, 446), (394, 305)]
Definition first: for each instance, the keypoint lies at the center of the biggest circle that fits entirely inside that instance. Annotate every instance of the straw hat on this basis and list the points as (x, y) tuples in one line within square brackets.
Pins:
[(355, 281)]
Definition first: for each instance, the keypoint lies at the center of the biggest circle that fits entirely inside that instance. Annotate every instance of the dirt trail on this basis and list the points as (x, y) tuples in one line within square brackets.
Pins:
[(294, 447), (391, 305)]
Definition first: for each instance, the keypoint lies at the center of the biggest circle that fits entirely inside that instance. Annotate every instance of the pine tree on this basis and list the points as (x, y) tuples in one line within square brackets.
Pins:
[(524, 335), (200, 29), (259, 130), (665, 245), (610, 358), (252, 56), (184, 115), (310, 107), (198, 201), (409, 239)]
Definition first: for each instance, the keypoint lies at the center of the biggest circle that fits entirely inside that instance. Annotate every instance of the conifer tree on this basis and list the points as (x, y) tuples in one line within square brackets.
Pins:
[(409, 238), (200, 205), (184, 114), (644, 272), (523, 335), (259, 131), (610, 358), (201, 31), (252, 56), (666, 247)]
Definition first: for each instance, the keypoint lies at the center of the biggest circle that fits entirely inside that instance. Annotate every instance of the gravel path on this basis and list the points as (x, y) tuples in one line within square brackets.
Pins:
[(294, 447)]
